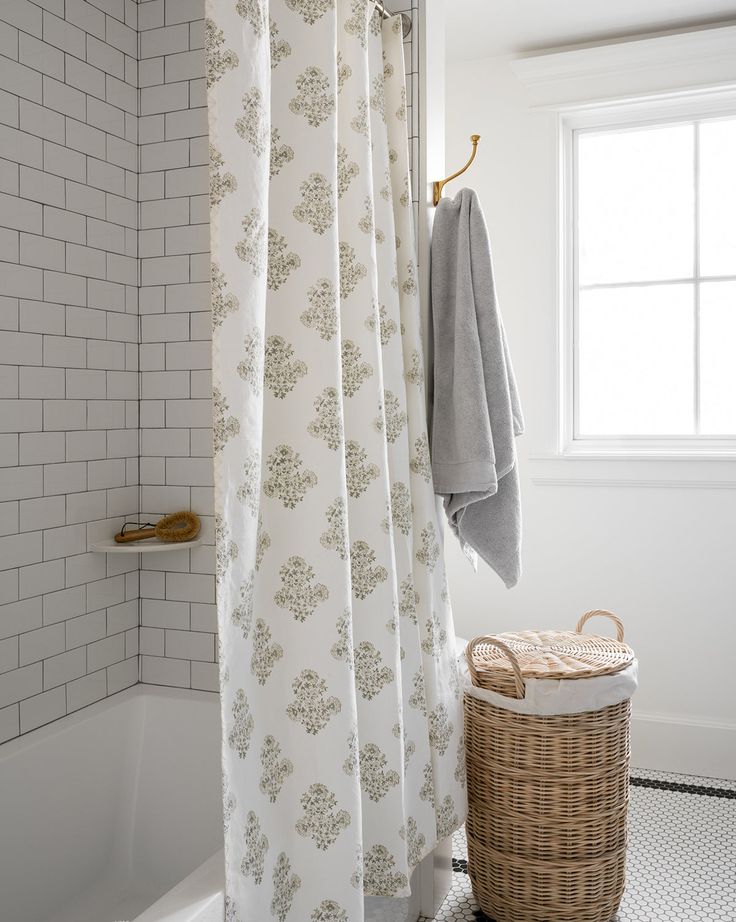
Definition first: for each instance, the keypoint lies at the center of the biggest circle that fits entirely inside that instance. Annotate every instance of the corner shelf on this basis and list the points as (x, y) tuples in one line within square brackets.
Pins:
[(149, 546)]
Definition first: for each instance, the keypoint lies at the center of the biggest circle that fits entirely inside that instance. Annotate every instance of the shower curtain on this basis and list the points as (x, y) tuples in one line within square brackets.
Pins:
[(343, 761)]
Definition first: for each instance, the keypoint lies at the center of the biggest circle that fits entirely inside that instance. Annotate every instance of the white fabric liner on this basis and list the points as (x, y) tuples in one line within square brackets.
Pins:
[(545, 697)]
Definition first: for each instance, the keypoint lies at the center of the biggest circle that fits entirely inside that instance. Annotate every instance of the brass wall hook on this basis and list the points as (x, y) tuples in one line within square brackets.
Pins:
[(439, 184)]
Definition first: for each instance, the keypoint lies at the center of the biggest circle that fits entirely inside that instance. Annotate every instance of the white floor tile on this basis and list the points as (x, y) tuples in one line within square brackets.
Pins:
[(681, 861)]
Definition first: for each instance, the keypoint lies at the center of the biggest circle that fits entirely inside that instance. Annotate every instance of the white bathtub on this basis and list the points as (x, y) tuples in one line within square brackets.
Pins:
[(114, 814)]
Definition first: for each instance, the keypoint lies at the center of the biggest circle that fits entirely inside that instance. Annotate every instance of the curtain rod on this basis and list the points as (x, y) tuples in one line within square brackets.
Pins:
[(387, 14)]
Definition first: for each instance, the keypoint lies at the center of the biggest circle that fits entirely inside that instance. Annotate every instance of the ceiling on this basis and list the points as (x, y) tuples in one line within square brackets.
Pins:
[(485, 28)]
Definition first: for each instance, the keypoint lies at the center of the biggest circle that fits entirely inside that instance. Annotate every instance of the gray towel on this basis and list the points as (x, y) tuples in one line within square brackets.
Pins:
[(475, 413)]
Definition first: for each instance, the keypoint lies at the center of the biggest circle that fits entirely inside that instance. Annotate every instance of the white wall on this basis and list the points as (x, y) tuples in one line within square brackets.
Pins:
[(662, 557)]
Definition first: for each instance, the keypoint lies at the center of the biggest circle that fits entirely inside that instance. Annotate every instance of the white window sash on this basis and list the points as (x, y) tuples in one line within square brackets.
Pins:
[(692, 106)]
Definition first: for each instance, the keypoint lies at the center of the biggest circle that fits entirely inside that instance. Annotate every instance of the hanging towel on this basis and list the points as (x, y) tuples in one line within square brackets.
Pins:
[(475, 413)]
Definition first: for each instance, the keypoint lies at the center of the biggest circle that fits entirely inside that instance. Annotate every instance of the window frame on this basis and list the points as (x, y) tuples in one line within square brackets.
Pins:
[(701, 105)]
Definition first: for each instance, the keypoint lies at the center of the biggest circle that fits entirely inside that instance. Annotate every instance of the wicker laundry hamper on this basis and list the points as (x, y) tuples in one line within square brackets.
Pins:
[(547, 795)]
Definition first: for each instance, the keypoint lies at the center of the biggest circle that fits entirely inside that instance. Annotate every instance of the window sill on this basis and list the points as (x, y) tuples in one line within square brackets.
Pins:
[(673, 470), (648, 453)]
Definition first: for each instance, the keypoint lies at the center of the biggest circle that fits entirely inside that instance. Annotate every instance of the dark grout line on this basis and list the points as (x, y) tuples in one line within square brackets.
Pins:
[(675, 787)]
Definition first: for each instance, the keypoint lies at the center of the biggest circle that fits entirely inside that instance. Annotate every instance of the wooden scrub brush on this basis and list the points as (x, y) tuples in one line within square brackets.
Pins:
[(179, 526)]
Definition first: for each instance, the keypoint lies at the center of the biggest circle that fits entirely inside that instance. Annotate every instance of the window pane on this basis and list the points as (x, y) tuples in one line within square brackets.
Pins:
[(635, 361), (636, 204), (718, 198), (717, 366)]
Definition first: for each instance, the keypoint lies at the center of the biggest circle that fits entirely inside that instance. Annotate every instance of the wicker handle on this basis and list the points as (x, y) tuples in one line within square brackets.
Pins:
[(510, 655), (608, 614)]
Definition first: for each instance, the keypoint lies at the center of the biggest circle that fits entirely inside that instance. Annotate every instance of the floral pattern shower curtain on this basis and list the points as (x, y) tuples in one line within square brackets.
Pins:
[(343, 756)]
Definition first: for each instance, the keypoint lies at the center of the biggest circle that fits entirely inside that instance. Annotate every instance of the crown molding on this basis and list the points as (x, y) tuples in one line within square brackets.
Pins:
[(663, 64)]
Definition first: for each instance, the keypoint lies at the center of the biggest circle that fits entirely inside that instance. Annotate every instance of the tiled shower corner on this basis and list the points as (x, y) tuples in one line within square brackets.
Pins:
[(105, 377), (178, 619)]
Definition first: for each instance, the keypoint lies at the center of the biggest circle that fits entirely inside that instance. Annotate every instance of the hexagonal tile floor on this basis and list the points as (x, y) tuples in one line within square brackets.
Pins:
[(681, 860)]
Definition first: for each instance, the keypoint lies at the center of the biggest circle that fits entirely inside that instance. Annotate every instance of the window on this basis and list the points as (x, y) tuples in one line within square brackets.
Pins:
[(650, 290)]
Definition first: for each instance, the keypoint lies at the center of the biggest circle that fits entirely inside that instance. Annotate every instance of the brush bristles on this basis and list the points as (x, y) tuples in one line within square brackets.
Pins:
[(179, 526)]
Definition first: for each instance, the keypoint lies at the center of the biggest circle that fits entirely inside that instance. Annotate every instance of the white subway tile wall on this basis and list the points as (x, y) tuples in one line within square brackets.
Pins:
[(69, 442), (105, 381)]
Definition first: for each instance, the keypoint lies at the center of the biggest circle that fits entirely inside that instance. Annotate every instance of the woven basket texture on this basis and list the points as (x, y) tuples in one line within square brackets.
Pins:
[(547, 796), (547, 655)]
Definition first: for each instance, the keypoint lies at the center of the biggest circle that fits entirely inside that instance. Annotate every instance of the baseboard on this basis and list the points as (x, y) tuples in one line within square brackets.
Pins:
[(683, 745)]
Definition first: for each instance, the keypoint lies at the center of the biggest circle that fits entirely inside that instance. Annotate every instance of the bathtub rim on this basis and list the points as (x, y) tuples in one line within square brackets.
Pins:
[(139, 691)]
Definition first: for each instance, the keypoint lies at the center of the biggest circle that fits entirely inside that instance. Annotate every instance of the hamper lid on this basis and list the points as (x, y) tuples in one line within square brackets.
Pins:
[(502, 662)]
